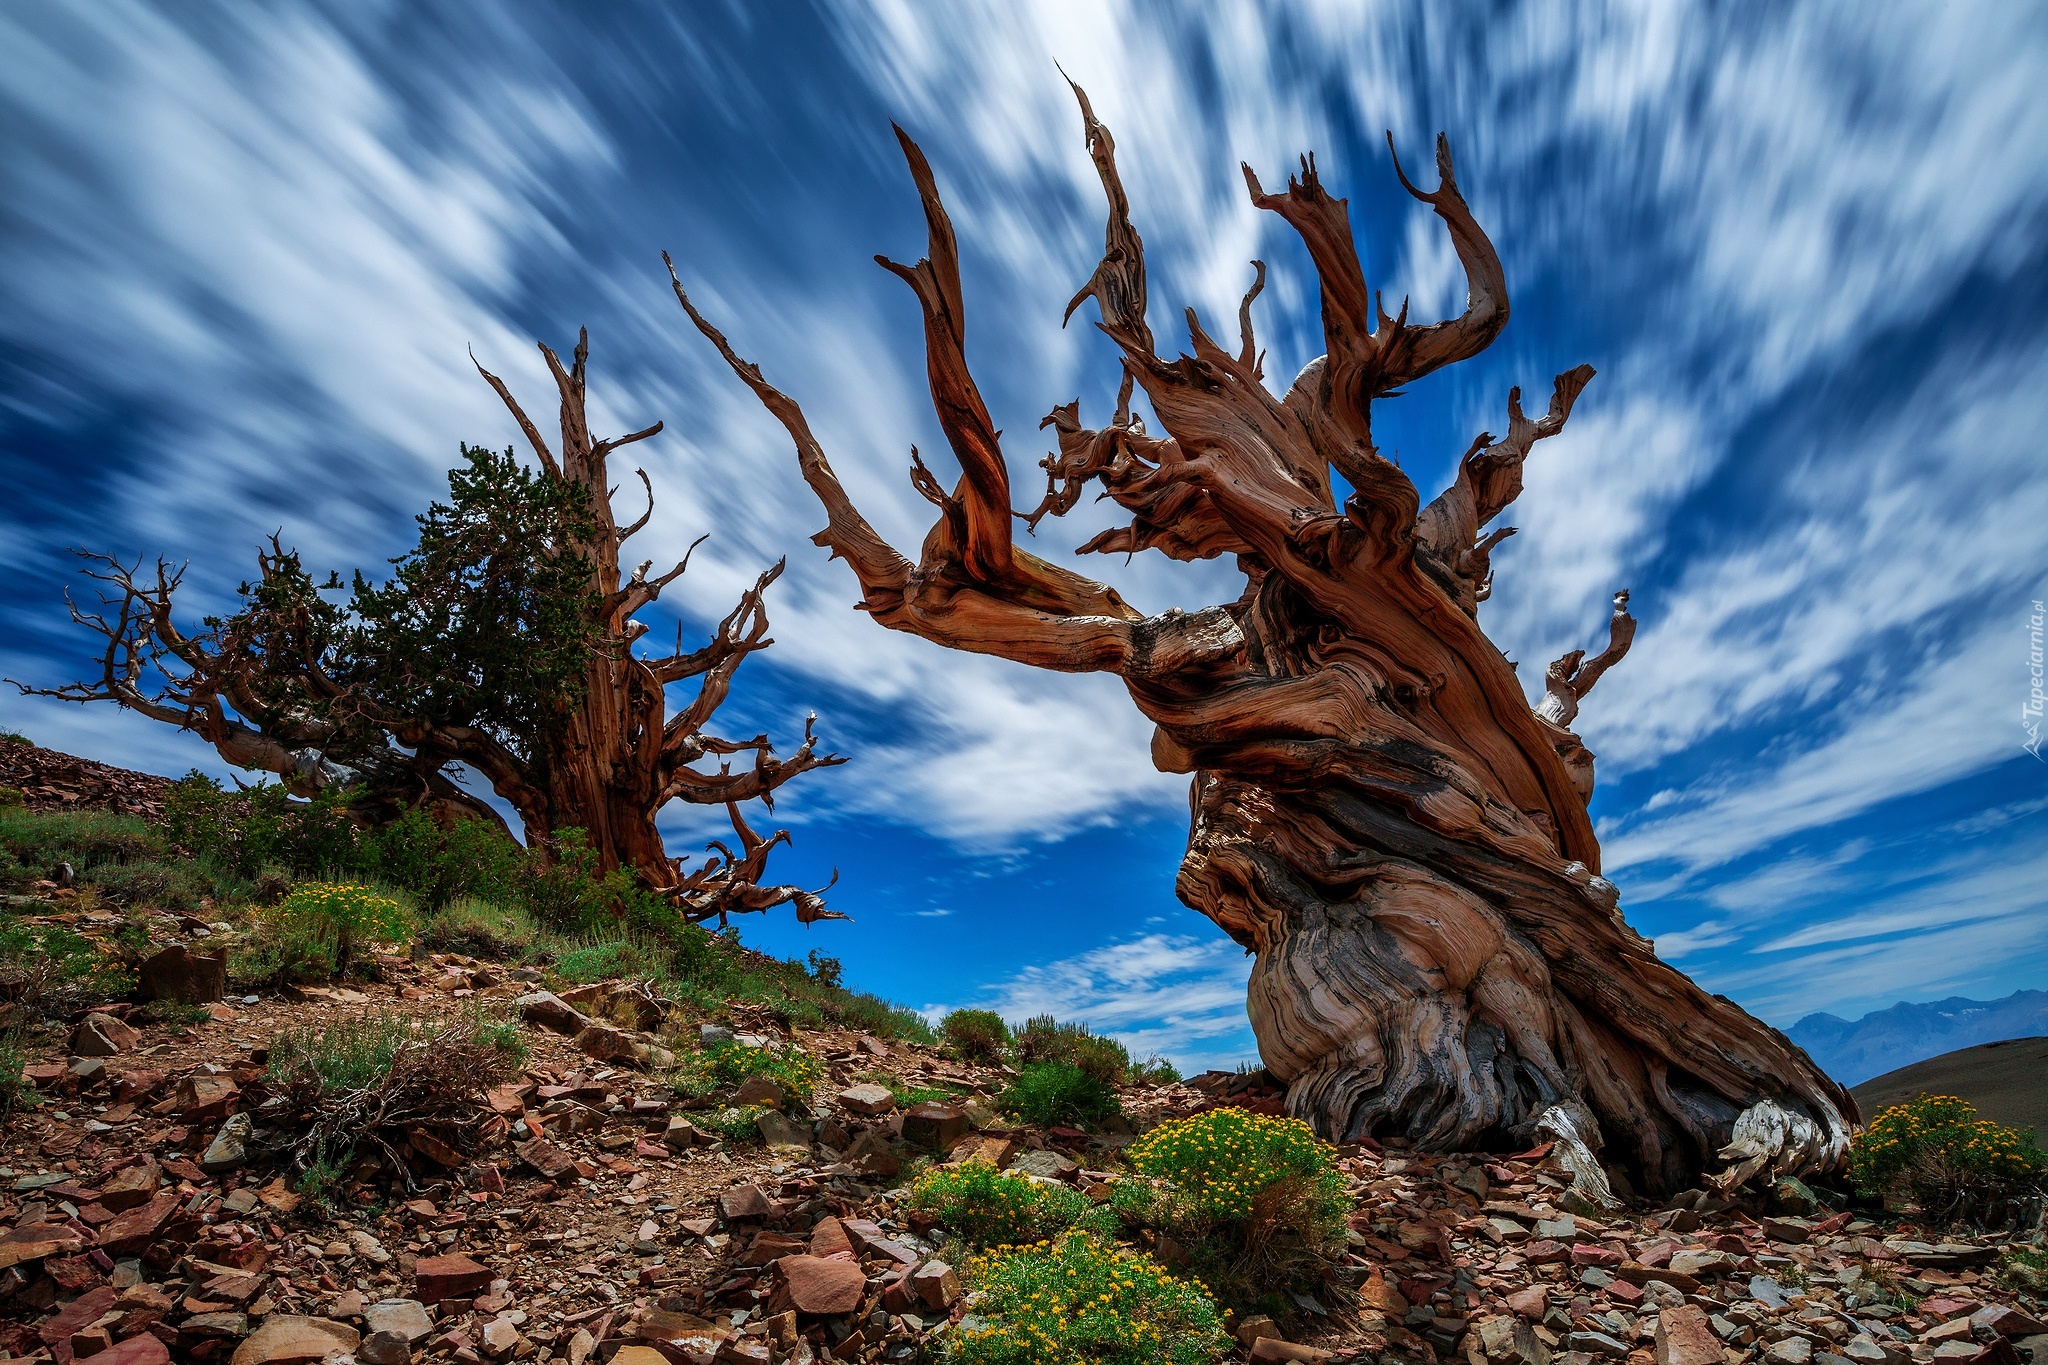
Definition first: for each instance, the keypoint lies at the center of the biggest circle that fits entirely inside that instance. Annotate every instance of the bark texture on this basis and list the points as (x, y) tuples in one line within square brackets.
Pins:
[(1377, 810)]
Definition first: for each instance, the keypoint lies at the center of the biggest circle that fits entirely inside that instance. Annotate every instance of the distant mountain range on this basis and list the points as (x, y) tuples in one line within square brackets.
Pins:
[(1854, 1050)]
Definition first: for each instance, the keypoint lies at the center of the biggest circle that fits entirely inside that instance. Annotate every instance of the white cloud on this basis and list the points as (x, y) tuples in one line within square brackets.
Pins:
[(1172, 994)]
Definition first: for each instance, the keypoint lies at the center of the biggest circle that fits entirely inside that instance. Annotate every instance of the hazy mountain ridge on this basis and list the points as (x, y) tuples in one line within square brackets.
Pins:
[(1854, 1050)]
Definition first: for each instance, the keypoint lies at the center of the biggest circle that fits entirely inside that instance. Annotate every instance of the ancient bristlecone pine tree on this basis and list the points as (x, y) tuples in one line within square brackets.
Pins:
[(1378, 812), (440, 668)]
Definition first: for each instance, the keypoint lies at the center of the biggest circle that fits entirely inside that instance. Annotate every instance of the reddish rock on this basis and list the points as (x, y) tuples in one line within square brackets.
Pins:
[(1584, 1253), (1684, 1337), (935, 1126), (870, 1154), (102, 1035), (828, 1238), (447, 1277), (868, 1099), (80, 1313), (822, 1288), (744, 1202), (551, 1161), (287, 1340), (131, 1233), (772, 1246), (206, 1099), (936, 1284), (74, 1274), (34, 1241), (175, 974), (1546, 1252), (1531, 1303), (131, 1185), (551, 1012), (140, 1349), (2007, 1321)]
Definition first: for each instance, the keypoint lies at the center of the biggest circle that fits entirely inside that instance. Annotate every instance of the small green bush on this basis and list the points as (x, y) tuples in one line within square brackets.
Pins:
[(1257, 1200), (47, 969), (483, 928), (345, 1055), (977, 1035), (1954, 1165), (354, 1053), (739, 1125), (727, 1064), (1103, 1058), (977, 1202), (16, 1092), (1079, 1298), (244, 831), (607, 960), (165, 884), (1155, 1070), (1046, 1093), (470, 858), (339, 919), (568, 894), (1045, 1039)]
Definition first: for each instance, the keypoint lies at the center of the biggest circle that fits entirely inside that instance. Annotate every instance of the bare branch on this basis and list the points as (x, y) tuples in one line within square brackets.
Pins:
[(983, 493), (626, 533), (533, 436), (1489, 479), (1569, 679)]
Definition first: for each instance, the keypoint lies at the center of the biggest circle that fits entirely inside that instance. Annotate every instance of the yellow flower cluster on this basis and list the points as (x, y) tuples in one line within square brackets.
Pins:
[(1223, 1159), (345, 912), (1079, 1298), (1941, 1134)]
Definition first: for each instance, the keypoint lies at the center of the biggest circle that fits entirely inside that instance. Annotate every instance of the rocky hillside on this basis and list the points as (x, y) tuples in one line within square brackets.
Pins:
[(445, 1158)]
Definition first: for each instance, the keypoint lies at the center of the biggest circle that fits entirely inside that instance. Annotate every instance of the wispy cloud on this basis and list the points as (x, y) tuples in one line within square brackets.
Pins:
[(1172, 994)]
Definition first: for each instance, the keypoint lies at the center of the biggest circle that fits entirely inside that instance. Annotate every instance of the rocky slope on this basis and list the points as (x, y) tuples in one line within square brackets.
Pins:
[(601, 1219)]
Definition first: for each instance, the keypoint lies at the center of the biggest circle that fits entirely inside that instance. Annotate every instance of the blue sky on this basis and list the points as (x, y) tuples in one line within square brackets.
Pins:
[(247, 250)]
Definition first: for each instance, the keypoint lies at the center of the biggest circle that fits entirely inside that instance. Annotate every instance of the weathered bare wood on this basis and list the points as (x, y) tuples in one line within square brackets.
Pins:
[(1379, 814)]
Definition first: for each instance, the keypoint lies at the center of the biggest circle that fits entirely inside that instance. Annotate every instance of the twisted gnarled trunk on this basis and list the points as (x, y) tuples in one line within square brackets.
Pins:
[(1378, 811)]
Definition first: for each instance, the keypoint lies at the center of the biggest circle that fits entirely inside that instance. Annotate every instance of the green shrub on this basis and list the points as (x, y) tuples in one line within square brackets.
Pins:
[(16, 1092), (1045, 1039), (334, 920), (1258, 1201), (607, 960), (1937, 1152), (739, 1125), (164, 884), (439, 865), (87, 839), (352, 1054), (346, 1055), (47, 969), (482, 928), (1155, 1070), (727, 1064), (1079, 1298), (568, 894), (244, 831), (1103, 1058), (977, 1202), (1046, 1093), (977, 1035)]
